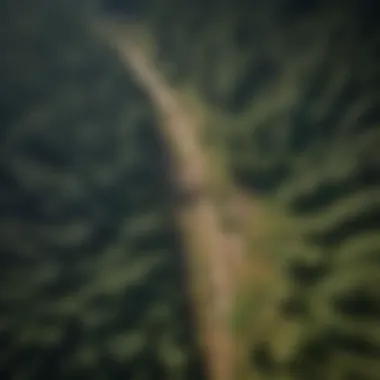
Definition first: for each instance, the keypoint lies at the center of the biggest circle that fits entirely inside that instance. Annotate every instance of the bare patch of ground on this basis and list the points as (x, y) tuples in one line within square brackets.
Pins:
[(216, 256)]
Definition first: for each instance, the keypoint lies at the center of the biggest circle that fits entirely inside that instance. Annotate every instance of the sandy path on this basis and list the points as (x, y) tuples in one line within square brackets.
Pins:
[(179, 128)]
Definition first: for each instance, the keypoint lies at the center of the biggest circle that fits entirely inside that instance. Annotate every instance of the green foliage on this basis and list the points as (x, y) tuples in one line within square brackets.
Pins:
[(91, 275), (90, 269), (298, 86)]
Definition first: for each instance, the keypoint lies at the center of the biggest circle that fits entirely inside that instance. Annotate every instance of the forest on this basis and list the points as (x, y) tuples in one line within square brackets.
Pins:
[(190, 190)]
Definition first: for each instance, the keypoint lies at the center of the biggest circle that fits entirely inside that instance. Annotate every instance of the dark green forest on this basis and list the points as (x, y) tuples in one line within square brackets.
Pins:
[(92, 282), (92, 277)]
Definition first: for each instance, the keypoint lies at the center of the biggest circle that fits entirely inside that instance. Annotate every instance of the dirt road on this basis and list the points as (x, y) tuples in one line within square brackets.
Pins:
[(179, 128)]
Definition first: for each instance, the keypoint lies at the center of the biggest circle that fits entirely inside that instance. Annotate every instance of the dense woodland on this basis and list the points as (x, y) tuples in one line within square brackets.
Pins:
[(293, 89), (92, 277)]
